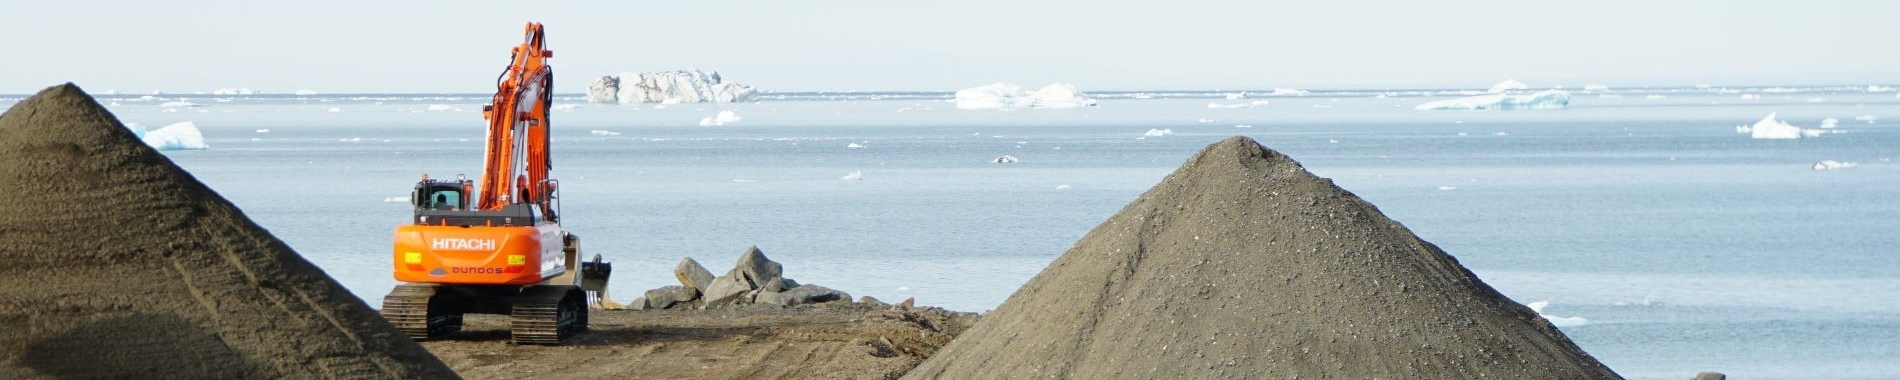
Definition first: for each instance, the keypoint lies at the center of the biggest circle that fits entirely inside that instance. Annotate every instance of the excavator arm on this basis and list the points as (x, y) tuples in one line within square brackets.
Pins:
[(516, 164)]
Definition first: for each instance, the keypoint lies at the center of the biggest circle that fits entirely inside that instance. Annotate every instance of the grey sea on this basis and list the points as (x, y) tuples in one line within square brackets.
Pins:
[(1658, 237)]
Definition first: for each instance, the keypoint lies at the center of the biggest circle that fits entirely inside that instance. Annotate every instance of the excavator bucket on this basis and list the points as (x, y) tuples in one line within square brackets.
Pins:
[(594, 275)]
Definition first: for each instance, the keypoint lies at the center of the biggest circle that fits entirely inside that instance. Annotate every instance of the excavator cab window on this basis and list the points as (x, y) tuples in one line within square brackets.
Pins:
[(443, 198)]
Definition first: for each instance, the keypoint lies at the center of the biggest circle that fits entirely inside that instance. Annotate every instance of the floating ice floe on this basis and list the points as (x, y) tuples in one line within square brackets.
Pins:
[(1063, 187), (335, 110), (854, 175), (854, 146), (1830, 123), (1538, 307), (1867, 118), (1750, 96), (233, 91), (1595, 87), (395, 199), (1833, 165), (1771, 128), (603, 132), (1548, 99), (1009, 96), (1005, 159), (1283, 91), (177, 136), (1157, 132), (1236, 95), (443, 108), (724, 117), (1655, 96), (305, 93), (263, 130), (1508, 85), (1880, 88), (181, 103)]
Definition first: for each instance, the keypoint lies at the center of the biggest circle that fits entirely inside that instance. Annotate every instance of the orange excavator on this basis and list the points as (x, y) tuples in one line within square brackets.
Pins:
[(499, 248)]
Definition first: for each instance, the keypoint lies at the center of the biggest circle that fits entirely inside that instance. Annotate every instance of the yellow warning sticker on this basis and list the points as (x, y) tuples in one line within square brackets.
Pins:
[(517, 259), (412, 257)]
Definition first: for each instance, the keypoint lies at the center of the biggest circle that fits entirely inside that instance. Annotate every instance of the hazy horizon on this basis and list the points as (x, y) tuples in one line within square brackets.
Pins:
[(458, 47)]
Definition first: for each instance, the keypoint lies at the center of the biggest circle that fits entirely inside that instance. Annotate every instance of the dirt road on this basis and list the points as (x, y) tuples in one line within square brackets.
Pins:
[(835, 341)]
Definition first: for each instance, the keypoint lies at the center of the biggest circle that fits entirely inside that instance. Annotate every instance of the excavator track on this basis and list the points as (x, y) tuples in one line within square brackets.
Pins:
[(408, 307), (546, 314)]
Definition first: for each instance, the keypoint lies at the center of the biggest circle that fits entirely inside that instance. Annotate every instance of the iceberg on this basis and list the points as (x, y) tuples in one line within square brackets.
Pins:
[(233, 91), (1771, 128), (605, 89), (1879, 88), (603, 132), (305, 93), (671, 87), (1157, 132), (854, 175), (1867, 118), (1833, 165), (724, 117), (1830, 123), (1009, 96), (1595, 87), (1542, 100), (179, 103), (1508, 85), (178, 136)]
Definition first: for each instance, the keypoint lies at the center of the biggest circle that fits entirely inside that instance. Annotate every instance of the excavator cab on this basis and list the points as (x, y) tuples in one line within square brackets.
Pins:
[(440, 195)]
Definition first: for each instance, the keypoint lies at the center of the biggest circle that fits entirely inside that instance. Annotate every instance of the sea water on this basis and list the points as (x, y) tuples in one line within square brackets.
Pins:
[(1668, 242)]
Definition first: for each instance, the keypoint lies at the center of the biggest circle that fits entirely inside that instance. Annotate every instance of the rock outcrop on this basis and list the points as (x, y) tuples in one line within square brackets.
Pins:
[(754, 279)]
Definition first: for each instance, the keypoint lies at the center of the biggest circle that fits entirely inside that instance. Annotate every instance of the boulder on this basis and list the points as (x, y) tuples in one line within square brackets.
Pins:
[(756, 268), (639, 303), (604, 90), (776, 298), (725, 289), (1710, 376), (868, 300), (817, 294), (667, 296), (691, 274)]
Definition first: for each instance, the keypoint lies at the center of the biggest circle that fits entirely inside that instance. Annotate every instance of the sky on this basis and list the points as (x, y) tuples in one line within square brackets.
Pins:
[(352, 46)]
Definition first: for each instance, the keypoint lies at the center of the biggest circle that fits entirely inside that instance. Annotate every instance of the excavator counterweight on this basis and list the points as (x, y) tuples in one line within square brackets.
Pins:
[(498, 248)]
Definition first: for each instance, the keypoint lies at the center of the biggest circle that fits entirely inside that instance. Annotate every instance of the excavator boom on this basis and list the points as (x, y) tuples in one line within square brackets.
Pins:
[(517, 163)]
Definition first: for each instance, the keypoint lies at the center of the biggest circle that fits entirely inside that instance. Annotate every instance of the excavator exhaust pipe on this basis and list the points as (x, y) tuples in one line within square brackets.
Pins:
[(594, 275)]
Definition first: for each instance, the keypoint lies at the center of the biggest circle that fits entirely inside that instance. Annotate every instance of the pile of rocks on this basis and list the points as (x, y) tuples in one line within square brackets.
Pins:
[(755, 279)]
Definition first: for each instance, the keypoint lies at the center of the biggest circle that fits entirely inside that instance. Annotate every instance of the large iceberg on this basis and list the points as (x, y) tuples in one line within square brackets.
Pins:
[(1542, 100), (679, 86), (1508, 85), (1004, 95), (178, 136), (605, 89)]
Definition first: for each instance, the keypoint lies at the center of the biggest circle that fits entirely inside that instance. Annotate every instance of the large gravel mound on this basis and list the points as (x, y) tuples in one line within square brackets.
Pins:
[(1241, 264), (118, 264)]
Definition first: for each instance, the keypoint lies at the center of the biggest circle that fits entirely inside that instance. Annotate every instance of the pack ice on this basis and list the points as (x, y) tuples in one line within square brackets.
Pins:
[(1542, 100), (1004, 95)]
